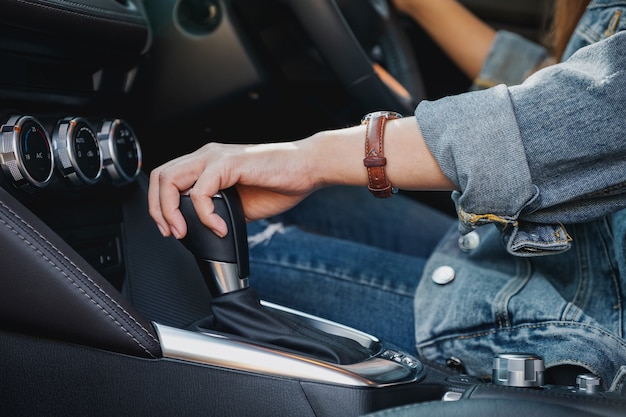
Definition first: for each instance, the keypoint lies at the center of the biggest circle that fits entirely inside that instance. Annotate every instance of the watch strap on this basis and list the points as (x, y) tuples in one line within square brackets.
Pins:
[(375, 160)]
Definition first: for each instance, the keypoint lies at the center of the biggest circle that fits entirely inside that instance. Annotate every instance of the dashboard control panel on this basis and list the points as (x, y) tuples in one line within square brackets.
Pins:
[(67, 170), (80, 151)]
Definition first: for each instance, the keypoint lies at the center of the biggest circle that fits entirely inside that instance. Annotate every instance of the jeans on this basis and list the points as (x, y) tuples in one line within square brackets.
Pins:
[(348, 257)]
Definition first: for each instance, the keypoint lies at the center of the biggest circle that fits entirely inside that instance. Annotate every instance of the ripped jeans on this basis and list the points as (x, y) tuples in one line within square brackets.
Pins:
[(348, 257)]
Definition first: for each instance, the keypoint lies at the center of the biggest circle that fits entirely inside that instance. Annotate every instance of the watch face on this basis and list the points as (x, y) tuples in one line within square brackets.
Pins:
[(382, 113)]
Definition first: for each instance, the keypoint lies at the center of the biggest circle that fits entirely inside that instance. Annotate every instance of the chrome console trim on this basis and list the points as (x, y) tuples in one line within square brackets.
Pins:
[(384, 368), (365, 339)]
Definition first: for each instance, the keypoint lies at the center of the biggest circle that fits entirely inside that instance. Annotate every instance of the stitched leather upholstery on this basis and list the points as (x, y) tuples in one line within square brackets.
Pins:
[(47, 289)]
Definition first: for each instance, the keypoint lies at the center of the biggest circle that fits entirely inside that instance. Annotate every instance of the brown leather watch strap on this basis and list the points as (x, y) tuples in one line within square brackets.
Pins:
[(375, 160)]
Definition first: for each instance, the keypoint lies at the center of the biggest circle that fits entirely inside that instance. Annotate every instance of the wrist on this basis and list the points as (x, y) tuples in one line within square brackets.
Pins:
[(336, 157)]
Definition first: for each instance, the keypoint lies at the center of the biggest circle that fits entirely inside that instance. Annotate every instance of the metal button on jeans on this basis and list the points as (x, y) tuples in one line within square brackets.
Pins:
[(443, 275), (469, 241)]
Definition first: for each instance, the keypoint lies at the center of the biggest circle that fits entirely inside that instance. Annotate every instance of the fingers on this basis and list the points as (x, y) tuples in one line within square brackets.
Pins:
[(203, 204), (184, 175), (163, 203)]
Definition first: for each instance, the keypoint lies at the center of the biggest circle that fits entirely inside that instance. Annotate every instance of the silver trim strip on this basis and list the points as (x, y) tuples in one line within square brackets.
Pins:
[(219, 350), (365, 339)]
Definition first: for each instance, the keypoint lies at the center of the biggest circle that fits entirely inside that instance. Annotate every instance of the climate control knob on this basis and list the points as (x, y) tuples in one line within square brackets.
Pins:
[(121, 152), (26, 153), (77, 151)]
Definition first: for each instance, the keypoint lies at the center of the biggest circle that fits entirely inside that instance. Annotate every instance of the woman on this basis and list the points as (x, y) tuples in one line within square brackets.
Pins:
[(537, 261)]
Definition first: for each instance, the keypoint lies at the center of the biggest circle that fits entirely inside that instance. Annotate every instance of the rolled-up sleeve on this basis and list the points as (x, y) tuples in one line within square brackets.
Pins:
[(532, 157), (511, 59), (476, 139)]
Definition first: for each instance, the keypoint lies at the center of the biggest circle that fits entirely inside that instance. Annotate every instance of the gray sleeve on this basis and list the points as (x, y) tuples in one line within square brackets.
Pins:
[(551, 150)]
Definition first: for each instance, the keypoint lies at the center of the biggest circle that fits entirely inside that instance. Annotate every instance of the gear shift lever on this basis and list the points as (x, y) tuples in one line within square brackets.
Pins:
[(236, 309), (223, 261)]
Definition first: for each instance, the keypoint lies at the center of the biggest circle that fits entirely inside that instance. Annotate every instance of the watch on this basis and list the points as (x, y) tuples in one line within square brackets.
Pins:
[(375, 160)]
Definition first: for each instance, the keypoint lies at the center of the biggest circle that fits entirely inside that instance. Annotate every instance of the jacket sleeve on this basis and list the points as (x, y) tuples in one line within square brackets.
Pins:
[(533, 157), (511, 59)]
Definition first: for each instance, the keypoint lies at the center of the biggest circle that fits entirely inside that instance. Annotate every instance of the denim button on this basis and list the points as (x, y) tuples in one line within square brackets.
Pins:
[(469, 241), (443, 275)]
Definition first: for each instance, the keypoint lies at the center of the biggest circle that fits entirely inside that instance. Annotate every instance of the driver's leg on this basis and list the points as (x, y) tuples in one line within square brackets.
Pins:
[(399, 224)]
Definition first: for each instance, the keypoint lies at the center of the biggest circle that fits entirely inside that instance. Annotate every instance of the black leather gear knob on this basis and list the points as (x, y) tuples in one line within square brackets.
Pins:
[(211, 250)]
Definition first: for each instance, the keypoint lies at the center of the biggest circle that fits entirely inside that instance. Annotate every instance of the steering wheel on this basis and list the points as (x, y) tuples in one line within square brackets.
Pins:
[(364, 44)]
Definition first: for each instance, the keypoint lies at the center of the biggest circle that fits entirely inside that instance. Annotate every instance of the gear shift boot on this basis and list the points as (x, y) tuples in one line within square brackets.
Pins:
[(241, 313)]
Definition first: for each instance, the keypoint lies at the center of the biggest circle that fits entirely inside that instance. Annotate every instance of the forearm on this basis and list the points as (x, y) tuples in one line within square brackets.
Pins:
[(272, 178), (336, 157), (464, 37)]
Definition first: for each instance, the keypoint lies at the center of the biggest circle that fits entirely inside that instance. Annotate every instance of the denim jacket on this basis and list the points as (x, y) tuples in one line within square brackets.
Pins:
[(541, 169)]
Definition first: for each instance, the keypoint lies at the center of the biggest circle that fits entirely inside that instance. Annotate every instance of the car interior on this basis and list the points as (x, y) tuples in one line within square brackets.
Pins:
[(102, 316)]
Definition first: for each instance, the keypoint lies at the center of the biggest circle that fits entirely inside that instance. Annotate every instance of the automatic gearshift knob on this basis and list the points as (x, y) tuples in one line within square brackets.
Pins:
[(223, 261)]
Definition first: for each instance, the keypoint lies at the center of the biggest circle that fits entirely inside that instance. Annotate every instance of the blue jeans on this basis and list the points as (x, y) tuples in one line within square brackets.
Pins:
[(348, 257)]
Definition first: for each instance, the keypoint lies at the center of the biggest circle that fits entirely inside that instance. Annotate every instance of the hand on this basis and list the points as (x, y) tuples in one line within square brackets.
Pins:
[(269, 178)]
